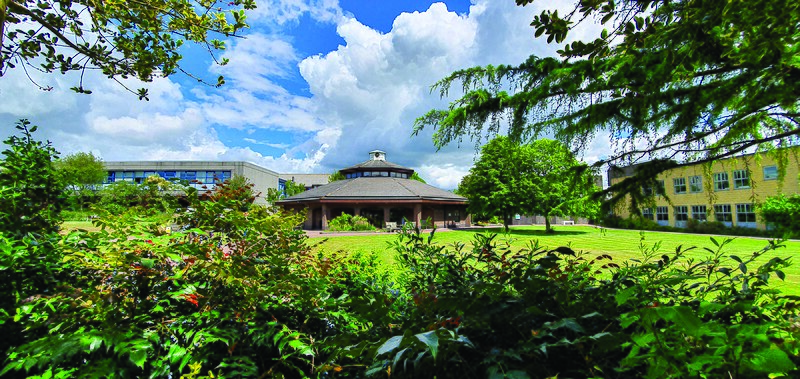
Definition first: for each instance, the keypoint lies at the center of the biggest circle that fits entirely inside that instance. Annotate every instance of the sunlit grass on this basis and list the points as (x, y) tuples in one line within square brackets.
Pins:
[(622, 245)]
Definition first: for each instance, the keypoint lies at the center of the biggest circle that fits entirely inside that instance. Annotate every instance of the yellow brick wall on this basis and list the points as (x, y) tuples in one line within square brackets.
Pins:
[(759, 189)]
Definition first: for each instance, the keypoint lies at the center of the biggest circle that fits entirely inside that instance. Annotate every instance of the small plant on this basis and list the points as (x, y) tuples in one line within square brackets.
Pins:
[(347, 223)]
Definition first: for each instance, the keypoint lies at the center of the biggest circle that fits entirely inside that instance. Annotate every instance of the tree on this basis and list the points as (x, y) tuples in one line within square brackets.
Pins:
[(80, 172), (335, 176), (122, 39), (557, 183), (684, 81), (782, 212), (416, 177), (492, 185), (540, 178), (291, 188), (31, 194)]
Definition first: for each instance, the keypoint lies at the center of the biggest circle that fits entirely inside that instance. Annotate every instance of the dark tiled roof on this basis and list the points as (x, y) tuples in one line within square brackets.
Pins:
[(381, 188), (375, 164)]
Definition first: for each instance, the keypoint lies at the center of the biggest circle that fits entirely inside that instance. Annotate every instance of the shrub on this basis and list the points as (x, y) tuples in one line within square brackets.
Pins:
[(31, 195), (346, 222), (783, 212), (236, 294), (486, 310)]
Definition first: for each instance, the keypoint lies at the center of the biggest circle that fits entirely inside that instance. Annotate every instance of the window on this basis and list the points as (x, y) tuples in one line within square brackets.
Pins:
[(680, 185), (745, 213), (127, 176), (657, 190), (647, 213), (111, 177), (721, 181), (741, 179), (696, 184), (722, 213), (188, 175), (405, 176), (699, 212), (770, 172), (662, 214), (681, 213), (384, 173)]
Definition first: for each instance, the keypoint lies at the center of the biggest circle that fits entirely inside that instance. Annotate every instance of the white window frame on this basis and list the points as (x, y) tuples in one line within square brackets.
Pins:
[(741, 179), (721, 181), (680, 185), (721, 210), (699, 213), (696, 184)]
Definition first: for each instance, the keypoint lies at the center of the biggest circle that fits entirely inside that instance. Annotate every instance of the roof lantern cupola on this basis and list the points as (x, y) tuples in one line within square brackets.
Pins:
[(377, 155)]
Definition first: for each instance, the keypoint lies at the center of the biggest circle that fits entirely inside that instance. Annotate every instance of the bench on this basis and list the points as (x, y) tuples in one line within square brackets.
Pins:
[(568, 222), (392, 227)]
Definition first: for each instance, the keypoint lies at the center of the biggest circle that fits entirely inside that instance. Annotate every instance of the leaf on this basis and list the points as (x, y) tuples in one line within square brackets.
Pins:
[(623, 296), (736, 258), (780, 274), (138, 357), (772, 360), (743, 268), (431, 340), (389, 345)]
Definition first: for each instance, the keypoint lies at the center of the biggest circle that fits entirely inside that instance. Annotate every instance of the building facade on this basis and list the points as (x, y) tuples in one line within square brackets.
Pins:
[(727, 190), (199, 173), (382, 192)]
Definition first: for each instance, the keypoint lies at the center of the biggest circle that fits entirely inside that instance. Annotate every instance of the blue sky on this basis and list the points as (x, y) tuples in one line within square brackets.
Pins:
[(314, 86)]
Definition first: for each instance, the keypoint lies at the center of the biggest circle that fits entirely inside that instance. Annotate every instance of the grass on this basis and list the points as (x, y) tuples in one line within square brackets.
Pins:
[(620, 244)]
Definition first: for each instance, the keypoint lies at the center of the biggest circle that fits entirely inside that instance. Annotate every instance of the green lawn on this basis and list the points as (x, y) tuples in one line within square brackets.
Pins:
[(620, 244)]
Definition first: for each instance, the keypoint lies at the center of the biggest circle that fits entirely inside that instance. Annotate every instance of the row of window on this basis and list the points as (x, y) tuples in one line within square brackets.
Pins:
[(741, 180), (195, 178), (377, 173), (745, 213)]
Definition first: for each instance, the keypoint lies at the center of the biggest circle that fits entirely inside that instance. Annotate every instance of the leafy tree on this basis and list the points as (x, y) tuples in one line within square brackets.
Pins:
[(80, 173), (416, 177), (32, 194), (541, 178), (689, 81), (783, 212), (122, 39), (556, 182), (493, 184), (336, 175), (293, 188)]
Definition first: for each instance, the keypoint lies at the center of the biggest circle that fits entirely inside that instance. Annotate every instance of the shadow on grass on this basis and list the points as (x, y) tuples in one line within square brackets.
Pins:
[(526, 232)]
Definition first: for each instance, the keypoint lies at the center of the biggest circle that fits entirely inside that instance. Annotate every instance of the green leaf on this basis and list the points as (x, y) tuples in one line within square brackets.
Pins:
[(431, 340), (772, 360), (389, 345), (138, 357)]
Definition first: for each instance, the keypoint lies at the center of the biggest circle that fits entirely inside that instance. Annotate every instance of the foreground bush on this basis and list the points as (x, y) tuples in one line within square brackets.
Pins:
[(488, 311)]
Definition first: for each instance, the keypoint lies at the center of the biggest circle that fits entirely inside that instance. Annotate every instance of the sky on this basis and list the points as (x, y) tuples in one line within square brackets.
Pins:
[(312, 87)]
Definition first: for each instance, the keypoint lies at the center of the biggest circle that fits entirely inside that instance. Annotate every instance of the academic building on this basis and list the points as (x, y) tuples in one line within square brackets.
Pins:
[(727, 190), (200, 174)]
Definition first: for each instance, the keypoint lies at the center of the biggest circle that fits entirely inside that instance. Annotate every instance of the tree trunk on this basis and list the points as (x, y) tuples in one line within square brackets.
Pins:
[(547, 228), (506, 219)]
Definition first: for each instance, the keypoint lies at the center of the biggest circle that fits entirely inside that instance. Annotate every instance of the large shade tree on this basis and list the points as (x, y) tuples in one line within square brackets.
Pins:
[(681, 81), (81, 171), (540, 178), (121, 39)]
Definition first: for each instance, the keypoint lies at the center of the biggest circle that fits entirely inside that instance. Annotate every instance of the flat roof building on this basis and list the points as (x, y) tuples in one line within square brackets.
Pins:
[(198, 173)]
